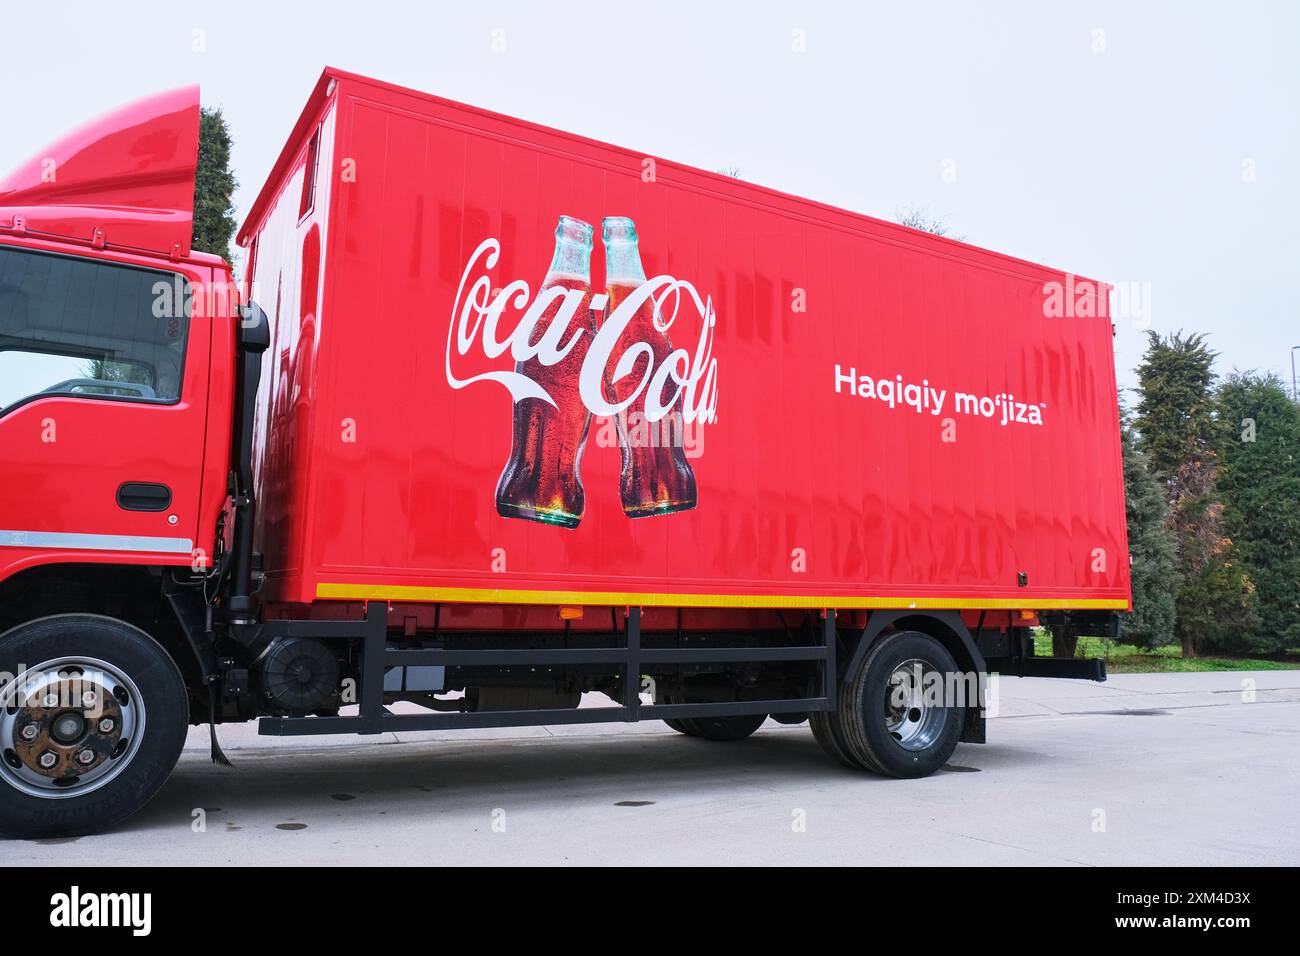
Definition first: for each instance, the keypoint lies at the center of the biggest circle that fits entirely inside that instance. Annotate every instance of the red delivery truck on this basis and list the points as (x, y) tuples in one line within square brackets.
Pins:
[(502, 416)]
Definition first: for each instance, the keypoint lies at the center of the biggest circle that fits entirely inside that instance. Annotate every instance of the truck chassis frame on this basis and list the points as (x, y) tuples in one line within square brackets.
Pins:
[(377, 657)]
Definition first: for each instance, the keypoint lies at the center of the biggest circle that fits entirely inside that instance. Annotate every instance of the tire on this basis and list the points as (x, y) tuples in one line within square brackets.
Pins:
[(104, 704), (898, 740), (681, 725), (823, 729), (726, 729)]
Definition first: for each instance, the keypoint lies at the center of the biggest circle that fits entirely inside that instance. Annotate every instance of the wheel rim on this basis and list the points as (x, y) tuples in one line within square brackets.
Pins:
[(912, 717), (68, 726)]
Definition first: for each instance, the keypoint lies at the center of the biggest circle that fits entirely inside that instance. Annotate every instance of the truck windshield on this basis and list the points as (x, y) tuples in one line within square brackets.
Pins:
[(79, 327)]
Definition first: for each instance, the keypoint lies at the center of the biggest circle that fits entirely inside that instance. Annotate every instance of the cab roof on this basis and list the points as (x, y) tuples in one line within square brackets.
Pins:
[(124, 180)]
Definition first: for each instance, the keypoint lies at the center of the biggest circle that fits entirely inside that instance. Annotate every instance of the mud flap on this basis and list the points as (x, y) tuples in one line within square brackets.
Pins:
[(973, 730)]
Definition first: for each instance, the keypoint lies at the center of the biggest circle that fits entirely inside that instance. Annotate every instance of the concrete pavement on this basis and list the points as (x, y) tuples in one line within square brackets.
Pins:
[(1155, 769)]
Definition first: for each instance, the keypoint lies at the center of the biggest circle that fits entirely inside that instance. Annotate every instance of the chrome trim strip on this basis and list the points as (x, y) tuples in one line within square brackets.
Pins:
[(94, 542)]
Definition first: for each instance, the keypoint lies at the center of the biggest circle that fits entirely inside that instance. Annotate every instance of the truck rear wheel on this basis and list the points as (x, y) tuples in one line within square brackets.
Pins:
[(893, 717), (823, 729), (91, 724)]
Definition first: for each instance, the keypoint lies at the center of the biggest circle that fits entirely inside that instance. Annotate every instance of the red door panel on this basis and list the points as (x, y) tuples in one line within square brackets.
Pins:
[(65, 456)]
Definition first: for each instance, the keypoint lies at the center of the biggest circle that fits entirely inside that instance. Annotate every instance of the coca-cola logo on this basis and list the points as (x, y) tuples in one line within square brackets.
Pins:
[(479, 318)]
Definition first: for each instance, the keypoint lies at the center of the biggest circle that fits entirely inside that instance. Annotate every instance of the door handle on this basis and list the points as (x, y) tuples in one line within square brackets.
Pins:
[(144, 496)]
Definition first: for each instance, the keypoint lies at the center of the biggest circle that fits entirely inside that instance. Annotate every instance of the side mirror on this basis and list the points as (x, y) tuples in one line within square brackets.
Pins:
[(254, 339), (254, 329)]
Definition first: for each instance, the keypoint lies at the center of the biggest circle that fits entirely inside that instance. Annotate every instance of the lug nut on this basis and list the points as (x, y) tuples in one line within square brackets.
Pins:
[(50, 700), (89, 698), (48, 760), (106, 725), (29, 732), (86, 757)]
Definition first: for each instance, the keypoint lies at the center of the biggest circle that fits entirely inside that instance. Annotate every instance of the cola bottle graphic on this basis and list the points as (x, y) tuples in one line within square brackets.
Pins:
[(542, 481), (656, 477)]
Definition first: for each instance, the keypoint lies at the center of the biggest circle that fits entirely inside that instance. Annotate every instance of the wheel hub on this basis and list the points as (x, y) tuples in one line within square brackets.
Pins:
[(68, 726), (912, 716)]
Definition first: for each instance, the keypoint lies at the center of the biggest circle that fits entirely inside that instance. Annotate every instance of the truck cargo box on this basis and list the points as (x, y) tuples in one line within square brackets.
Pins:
[(809, 408)]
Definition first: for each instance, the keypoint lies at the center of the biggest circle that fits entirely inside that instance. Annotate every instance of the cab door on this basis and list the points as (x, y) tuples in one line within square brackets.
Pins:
[(103, 392)]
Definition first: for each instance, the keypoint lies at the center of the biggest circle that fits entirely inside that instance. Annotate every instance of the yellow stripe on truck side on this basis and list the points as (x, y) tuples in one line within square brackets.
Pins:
[(384, 592)]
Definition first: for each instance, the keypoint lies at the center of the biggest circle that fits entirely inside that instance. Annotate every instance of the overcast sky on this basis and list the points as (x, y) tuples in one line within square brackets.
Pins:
[(1151, 144)]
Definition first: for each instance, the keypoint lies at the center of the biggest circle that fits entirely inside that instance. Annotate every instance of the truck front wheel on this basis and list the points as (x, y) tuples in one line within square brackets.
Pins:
[(894, 715), (92, 721)]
